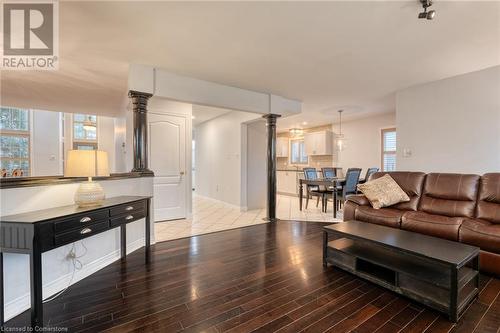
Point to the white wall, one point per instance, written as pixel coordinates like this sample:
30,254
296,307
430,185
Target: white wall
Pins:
120,145
106,139
46,144
363,145
103,248
254,186
451,125
219,157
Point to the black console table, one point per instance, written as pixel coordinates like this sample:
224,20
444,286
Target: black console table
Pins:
39,231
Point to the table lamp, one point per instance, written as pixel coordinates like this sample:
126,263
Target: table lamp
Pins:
87,163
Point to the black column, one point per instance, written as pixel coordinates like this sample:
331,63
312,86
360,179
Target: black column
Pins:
139,107
271,165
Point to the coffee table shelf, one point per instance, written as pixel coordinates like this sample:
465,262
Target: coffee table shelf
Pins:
445,283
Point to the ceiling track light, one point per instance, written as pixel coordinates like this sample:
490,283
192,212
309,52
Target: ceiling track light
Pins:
427,14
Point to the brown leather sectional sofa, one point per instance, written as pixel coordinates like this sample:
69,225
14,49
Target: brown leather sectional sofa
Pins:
458,207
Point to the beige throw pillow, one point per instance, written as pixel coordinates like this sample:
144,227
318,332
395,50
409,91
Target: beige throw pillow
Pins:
383,192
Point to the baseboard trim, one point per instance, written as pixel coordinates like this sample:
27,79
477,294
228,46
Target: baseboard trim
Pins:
220,201
22,303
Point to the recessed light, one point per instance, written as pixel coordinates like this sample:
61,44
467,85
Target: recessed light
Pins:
193,117
304,123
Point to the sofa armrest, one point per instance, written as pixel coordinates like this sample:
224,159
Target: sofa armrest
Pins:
358,199
351,204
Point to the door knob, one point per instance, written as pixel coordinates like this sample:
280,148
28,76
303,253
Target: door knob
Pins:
182,173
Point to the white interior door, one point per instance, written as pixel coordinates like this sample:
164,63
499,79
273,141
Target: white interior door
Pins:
167,159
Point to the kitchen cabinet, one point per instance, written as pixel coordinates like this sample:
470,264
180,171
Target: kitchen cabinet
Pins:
287,182
318,143
282,147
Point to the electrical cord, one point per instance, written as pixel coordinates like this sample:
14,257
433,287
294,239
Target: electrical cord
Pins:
77,265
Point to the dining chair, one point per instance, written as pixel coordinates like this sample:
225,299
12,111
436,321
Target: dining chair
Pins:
349,186
369,172
329,172
312,190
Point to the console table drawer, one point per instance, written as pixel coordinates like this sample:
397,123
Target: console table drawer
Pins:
80,220
137,215
74,235
130,208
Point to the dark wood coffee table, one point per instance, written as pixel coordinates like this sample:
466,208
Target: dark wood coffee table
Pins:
441,274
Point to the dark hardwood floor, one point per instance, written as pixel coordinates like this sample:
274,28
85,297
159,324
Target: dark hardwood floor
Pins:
264,278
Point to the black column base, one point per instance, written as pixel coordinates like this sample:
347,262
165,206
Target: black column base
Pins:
267,219
143,172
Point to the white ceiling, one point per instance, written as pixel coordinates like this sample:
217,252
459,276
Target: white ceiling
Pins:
352,55
203,113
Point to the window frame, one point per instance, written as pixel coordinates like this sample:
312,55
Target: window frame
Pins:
84,142
382,145
302,148
20,133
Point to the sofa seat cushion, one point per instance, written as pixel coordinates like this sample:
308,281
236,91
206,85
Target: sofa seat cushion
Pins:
384,216
432,225
481,233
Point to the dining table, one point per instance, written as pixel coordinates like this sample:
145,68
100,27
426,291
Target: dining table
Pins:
327,182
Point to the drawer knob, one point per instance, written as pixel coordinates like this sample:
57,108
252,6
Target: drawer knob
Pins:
85,219
85,231
129,217
129,208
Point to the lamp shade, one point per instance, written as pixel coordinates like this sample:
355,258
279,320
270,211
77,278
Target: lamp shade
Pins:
86,163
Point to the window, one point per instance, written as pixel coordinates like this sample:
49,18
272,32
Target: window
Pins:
298,155
389,149
84,132
15,141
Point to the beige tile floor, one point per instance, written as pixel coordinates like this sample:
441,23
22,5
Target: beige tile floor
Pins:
212,215
287,208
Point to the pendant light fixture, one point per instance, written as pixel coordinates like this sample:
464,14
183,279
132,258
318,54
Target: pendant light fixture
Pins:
296,132
339,138
89,125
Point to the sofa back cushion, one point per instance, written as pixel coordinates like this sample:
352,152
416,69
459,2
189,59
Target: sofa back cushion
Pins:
450,194
410,182
488,206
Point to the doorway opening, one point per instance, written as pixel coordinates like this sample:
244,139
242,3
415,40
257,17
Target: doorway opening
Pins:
227,174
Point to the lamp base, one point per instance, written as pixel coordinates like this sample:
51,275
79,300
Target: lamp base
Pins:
89,194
